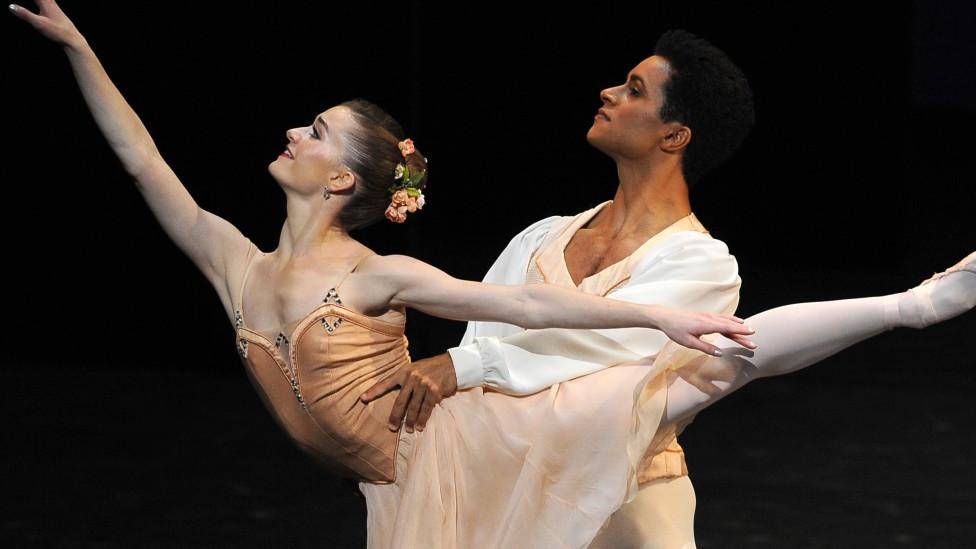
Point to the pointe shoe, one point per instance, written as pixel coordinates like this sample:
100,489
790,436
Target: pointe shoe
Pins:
952,301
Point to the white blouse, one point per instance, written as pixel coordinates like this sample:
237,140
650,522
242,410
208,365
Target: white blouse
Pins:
681,266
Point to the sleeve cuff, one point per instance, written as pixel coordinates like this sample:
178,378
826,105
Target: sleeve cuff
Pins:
467,366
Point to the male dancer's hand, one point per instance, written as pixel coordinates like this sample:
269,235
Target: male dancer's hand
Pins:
422,385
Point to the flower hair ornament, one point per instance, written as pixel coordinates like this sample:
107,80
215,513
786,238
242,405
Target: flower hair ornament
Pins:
407,195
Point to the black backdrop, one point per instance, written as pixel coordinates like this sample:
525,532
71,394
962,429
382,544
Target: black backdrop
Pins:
856,181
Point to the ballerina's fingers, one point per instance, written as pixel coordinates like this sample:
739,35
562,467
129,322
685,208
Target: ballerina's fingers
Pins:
743,340
728,317
50,22
735,330
733,322
725,325
693,342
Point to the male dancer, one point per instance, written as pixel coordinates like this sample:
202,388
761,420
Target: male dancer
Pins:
682,111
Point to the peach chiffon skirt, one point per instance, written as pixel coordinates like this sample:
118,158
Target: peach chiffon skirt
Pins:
546,470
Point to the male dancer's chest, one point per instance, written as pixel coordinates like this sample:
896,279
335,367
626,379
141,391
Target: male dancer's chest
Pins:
589,252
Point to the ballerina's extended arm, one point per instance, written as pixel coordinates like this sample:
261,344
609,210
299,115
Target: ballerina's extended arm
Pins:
204,237
405,281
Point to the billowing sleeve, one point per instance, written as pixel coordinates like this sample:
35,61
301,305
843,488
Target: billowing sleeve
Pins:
688,270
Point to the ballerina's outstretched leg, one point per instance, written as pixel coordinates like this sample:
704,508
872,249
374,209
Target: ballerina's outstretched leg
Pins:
795,336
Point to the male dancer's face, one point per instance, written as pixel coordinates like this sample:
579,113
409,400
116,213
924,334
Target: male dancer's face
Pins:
632,128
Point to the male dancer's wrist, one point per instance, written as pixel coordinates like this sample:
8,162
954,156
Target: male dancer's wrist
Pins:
467,366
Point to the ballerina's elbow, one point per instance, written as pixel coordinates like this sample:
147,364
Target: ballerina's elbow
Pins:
531,310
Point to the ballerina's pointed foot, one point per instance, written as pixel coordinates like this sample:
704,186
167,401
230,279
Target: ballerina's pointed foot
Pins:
943,295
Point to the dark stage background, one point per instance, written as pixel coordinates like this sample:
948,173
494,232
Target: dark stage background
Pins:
133,424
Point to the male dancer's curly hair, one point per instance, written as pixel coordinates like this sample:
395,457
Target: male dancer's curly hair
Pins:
708,93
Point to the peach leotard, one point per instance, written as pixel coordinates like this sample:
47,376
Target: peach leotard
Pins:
312,387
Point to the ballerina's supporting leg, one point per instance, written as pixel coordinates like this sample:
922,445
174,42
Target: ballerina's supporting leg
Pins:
795,336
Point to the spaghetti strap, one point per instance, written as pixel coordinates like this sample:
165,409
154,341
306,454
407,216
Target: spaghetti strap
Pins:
247,269
335,289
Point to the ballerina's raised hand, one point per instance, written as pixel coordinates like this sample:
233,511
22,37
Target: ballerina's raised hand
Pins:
51,22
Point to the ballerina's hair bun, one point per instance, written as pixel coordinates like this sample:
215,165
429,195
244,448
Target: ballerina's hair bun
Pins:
391,172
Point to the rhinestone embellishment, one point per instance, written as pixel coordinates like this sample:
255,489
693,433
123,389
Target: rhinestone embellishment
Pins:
242,347
238,318
298,393
332,295
281,338
331,327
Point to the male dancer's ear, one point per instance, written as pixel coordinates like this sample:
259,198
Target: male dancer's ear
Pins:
678,139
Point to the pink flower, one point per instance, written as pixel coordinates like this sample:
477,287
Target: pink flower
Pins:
394,215
412,204
406,147
400,197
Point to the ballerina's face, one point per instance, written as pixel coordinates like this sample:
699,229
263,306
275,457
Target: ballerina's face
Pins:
632,127
313,154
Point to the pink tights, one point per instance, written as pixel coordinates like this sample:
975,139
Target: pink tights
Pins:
795,336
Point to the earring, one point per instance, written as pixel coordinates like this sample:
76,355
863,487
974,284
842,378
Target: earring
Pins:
326,193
